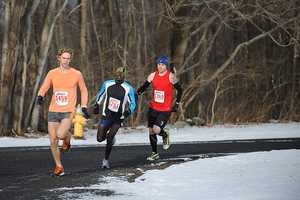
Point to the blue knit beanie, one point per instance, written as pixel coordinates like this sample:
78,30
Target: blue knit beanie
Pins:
163,59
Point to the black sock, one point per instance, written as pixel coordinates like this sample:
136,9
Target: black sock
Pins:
153,142
108,148
109,139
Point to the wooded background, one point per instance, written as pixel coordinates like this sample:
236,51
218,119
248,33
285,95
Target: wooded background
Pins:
238,60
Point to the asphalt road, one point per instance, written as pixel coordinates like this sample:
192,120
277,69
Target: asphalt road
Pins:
24,172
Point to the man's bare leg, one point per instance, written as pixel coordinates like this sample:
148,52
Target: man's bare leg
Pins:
64,133
52,129
58,131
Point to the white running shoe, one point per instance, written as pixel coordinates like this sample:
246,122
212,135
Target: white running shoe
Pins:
105,164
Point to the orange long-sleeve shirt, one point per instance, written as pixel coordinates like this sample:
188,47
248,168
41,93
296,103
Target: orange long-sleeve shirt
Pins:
64,84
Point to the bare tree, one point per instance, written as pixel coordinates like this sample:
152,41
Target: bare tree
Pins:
14,11
253,43
26,59
46,38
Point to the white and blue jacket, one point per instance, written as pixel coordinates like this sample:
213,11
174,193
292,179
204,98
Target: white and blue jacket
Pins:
115,96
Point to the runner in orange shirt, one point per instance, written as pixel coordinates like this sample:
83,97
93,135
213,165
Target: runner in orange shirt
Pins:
64,81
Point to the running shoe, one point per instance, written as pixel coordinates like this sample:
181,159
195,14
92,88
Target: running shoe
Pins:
153,156
166,140
105,164
59,171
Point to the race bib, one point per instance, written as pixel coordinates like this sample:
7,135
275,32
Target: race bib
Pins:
159,96
114,104
61,98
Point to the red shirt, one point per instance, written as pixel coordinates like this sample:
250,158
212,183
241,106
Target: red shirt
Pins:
162,92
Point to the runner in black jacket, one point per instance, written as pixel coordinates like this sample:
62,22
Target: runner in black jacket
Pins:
114,94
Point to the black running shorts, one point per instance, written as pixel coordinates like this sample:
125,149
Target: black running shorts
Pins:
158,118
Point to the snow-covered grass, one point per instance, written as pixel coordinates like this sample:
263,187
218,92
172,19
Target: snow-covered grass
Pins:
186,134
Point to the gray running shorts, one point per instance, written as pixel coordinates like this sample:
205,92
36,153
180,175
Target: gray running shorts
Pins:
57,116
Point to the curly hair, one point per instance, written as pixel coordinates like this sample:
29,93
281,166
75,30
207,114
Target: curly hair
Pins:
64,50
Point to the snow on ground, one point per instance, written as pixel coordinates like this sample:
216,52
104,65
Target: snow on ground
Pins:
270,175
186,134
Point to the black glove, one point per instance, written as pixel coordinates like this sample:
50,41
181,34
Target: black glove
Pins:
175,107
96,109
126,113
40,100
85,112
139,92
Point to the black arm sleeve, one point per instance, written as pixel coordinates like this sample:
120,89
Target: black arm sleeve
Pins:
143,87
177,86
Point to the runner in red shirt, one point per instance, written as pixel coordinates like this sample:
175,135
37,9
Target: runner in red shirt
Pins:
163,81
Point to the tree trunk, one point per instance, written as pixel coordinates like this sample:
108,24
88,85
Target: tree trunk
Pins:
25,64
294,70
5,70
14,11
83,33
99,48
140,77
46,39
179,44
216,94
84,60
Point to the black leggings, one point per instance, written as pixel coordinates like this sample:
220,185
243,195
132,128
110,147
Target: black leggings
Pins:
108,133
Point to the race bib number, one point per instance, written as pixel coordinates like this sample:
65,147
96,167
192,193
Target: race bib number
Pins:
114,104
159,96
61,98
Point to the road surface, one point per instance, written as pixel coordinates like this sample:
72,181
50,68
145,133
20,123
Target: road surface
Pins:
24,172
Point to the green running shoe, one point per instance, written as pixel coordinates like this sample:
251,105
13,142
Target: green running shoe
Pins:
166,140
153,156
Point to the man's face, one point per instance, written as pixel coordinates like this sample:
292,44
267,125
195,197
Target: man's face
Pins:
161,67
64,59
120,76
120,73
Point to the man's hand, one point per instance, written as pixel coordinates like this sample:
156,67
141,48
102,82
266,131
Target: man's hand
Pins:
126,113
40,100
175,107
139,91
96,109
85,112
